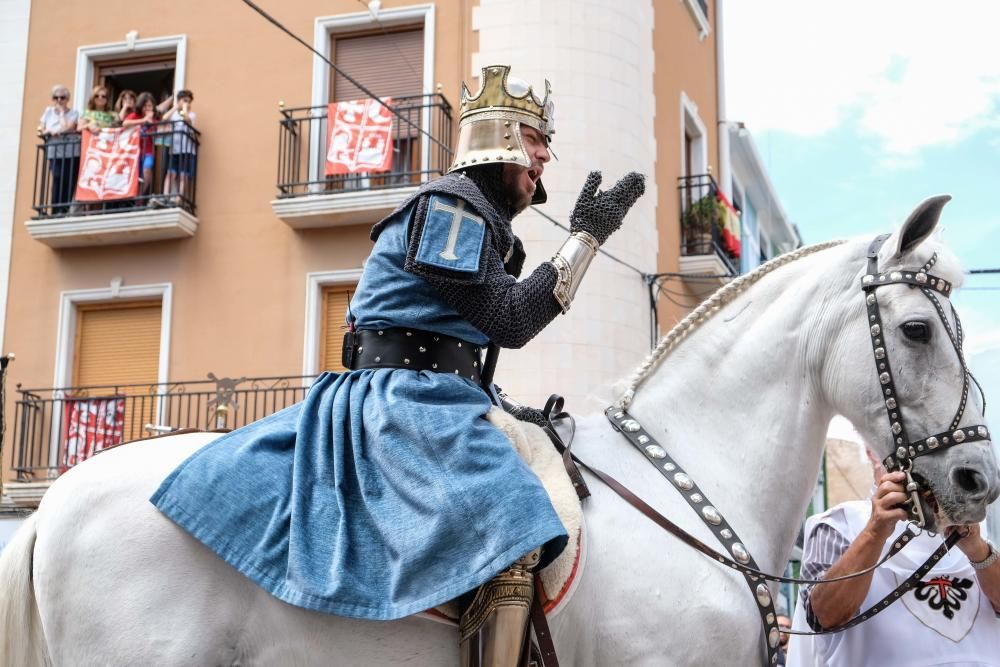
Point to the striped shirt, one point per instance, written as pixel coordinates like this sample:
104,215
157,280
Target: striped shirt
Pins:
824,547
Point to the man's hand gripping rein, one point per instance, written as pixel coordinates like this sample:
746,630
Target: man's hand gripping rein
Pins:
596,216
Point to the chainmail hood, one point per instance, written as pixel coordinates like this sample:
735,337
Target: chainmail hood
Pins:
489,179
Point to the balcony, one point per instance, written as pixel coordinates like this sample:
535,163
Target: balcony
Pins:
165,211
56,428
307,198
710,230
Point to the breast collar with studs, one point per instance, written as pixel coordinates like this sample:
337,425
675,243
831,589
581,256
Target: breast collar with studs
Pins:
906,450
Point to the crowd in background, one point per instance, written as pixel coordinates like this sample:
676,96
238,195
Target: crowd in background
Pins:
167,124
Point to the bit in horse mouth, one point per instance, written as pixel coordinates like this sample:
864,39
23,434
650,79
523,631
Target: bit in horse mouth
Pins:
931,501
932,508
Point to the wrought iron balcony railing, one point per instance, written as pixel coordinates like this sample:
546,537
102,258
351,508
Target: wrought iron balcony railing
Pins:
709,224
58,168
56,428
302,149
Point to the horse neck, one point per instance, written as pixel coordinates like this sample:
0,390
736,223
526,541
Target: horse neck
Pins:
739,403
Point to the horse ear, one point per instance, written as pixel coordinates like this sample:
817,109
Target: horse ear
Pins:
920,224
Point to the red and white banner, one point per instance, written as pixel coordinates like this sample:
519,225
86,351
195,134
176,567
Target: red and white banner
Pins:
91,424
109,164
359,138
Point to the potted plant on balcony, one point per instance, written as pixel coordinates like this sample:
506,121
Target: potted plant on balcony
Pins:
697,222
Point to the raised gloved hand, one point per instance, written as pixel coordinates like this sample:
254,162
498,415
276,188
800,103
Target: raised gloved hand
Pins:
601,213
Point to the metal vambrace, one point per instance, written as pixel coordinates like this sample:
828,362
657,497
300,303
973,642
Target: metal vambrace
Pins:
571,262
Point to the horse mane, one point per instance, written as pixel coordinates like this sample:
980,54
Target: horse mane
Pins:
708,308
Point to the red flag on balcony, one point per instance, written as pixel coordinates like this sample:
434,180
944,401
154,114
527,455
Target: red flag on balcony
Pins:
109,164
90,425
359,137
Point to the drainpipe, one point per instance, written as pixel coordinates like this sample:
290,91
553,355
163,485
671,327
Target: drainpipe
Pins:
725,164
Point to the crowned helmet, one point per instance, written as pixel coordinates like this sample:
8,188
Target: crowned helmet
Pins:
489,127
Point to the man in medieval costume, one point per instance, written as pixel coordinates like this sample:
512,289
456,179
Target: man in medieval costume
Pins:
386,492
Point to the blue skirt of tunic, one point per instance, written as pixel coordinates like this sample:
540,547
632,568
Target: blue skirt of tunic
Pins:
384,493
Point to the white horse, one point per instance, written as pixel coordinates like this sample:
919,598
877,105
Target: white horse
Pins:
98,577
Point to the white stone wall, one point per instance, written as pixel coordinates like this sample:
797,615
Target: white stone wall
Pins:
13,52
598,55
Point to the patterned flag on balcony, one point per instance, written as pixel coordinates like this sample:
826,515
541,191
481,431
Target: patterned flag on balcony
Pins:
109,164
90,425
359,138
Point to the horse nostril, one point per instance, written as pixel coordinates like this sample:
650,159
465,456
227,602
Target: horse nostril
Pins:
971,481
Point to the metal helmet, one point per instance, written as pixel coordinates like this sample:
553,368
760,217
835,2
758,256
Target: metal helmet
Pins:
489,127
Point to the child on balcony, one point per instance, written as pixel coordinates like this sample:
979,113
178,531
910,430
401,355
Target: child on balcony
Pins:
145,114
183,153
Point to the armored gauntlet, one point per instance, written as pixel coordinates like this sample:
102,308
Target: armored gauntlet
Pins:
600,214
596,216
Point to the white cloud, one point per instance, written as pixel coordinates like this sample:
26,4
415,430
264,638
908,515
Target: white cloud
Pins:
912,73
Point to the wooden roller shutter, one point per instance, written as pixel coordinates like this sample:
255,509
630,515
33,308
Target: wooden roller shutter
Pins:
389,64
335,302
119,344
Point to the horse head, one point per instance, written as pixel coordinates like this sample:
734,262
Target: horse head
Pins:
921,410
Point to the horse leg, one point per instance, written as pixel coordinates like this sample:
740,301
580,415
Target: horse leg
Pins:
22,643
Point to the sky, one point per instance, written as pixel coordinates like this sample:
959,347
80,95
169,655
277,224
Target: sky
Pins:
860,109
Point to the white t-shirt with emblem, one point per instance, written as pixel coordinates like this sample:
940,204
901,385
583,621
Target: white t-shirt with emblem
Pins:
944,620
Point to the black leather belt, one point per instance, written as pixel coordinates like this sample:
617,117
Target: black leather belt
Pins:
411,348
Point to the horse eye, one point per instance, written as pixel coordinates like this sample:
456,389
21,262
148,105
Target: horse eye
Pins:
917,331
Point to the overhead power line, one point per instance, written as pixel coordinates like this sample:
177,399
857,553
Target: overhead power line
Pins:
278,24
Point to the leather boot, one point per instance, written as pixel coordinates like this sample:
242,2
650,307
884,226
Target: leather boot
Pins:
494,626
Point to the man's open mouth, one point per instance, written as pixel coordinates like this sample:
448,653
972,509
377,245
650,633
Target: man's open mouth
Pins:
534,173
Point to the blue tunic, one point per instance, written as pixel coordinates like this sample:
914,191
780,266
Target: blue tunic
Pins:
385,492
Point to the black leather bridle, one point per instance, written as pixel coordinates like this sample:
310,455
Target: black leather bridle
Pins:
906,450
738,557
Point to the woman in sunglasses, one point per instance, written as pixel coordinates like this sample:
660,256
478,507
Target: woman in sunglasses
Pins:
58,127
98,114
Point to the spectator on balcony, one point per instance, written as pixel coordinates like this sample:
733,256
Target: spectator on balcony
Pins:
124,105
145,115
181,164
58,127
98,114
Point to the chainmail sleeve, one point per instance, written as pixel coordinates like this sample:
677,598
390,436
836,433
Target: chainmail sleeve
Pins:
510,312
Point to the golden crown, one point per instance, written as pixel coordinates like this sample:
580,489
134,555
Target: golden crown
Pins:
495,95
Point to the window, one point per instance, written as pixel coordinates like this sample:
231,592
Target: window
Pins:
153,64
699,12
694,158
334,323
688,151
153,74
753,251
389,64
119,344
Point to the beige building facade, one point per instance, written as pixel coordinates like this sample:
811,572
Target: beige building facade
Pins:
119,312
